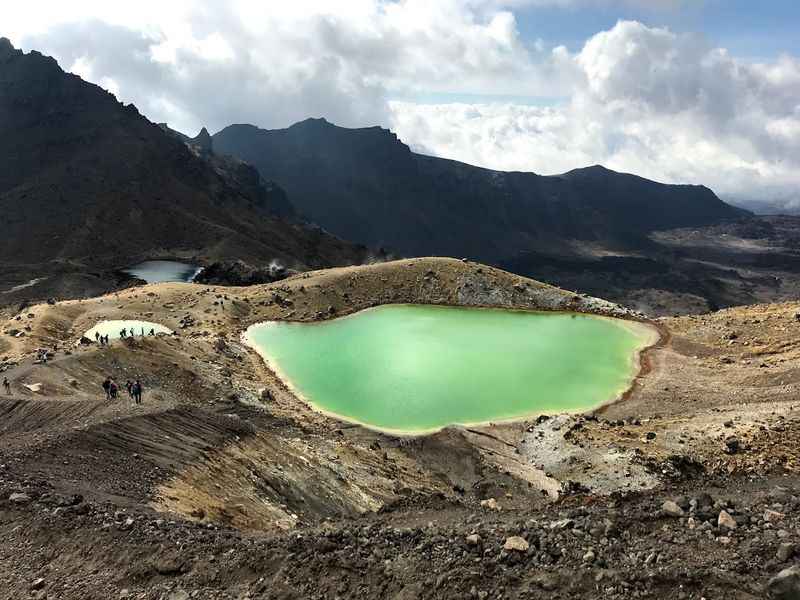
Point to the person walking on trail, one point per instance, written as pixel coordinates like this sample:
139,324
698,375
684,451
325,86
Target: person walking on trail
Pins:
107,387
97,337
137,392
129,387
113,389
7,386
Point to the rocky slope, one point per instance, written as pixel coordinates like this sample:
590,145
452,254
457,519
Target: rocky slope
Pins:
223,485
366,185
87,183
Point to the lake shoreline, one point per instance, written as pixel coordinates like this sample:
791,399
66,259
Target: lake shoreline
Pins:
648,335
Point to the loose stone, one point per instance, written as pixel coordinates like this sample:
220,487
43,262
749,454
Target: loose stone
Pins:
785,551
672,509
516,544
726,521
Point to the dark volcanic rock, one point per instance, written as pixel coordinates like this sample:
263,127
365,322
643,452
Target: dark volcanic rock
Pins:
785,585
238,272
88,180
366,185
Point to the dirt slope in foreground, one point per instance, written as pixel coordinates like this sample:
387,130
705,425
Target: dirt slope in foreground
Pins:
218,488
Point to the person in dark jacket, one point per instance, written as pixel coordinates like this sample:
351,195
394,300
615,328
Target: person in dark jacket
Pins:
137,392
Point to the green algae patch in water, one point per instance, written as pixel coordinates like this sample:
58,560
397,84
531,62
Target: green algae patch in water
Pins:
415,368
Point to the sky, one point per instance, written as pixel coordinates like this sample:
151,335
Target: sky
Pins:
681,91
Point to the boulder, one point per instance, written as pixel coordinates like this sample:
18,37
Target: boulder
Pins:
19,498
473,540
672,509
516,544
773,516
785,585
490,504
732,445
726,521
785,552
240,273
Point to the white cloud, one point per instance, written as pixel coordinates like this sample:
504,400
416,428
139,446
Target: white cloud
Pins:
635,98
646,101
273,63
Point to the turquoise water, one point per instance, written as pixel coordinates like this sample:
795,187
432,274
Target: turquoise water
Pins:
160,271
418,368
113,328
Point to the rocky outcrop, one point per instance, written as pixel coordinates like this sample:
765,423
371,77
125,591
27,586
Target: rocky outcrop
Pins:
238,174
238,272
202,142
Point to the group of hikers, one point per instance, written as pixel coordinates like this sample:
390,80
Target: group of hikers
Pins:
124,333
134,389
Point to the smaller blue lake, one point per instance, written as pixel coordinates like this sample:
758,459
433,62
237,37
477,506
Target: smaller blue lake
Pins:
160,271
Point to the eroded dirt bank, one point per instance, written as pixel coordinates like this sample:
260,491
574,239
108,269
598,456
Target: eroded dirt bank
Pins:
222,484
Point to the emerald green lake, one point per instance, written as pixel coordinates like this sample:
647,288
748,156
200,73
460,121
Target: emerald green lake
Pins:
414,368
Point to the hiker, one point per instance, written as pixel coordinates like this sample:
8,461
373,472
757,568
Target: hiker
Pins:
137,392
97,337
152,331
129,387
142,331
113,390
107,387
7,386
124,332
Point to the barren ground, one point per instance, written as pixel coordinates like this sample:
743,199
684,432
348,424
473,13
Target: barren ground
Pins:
223,485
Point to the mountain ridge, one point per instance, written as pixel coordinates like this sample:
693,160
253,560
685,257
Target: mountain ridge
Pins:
90,183
365,184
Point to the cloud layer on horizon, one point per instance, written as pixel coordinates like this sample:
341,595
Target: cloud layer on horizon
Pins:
646,101
636,98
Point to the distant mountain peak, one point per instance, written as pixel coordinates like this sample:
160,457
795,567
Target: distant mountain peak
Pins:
7,49
203,141
313,123
591,170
